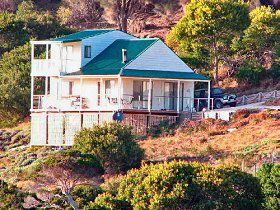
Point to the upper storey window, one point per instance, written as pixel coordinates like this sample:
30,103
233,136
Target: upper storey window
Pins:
87,51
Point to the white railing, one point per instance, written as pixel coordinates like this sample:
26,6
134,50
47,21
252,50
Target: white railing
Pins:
53,67
186,104
44,67
259,97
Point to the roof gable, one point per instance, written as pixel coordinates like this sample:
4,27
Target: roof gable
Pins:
79,36
161,58
109,61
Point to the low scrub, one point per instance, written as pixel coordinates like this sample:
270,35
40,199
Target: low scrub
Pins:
113,144
269,176
163,129
181,185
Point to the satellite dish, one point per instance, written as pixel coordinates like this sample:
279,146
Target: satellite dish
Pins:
118,116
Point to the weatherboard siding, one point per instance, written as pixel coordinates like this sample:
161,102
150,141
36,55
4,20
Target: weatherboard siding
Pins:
159,57
101,42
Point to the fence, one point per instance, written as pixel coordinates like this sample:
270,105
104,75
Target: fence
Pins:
259,97
59,129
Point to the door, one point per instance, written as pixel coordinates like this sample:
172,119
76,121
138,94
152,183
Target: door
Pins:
170,95
141,94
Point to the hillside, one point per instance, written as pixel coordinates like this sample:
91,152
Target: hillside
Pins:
249,139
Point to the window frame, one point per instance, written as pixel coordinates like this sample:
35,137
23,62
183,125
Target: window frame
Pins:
87,53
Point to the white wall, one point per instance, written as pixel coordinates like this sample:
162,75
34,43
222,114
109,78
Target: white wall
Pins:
101,42
159,57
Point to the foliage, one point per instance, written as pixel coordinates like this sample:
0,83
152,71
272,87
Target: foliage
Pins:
10,196
67,169
263,33
14,80
80,13
26,24
209,25
164,128
82,195
250,72
186,185
269,176
113,144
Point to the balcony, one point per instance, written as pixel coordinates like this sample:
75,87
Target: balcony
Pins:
53,67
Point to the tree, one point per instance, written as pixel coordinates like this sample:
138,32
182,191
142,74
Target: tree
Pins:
113,144
68,169
263,34
15,80
211,25
123,10
84,13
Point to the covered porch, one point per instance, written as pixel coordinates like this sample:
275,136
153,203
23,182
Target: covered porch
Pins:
116,93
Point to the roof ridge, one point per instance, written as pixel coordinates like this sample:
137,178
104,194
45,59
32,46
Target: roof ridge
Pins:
136,57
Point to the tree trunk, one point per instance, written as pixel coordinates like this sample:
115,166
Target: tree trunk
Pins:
216,68
124,24
71,201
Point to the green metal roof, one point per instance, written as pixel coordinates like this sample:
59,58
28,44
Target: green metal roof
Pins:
79,36
109,61
162,74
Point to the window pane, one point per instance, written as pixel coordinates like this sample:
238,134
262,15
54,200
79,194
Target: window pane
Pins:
87,51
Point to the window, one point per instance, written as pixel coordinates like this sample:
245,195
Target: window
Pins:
87,51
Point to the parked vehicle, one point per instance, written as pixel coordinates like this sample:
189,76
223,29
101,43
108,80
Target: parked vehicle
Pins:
220,99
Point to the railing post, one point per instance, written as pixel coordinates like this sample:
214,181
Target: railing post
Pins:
150,95
81,89
260,97
32,93
209,95
178,96
119,92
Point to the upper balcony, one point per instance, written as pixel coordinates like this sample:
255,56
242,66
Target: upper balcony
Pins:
53,58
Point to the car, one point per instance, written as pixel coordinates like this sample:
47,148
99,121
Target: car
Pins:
220,99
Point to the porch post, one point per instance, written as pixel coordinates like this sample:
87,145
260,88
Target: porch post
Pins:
32,51
46,92
150,95
178,96
208,99
81,89
47,52
32,93
119,92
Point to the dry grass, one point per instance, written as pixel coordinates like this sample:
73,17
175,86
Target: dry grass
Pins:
255,139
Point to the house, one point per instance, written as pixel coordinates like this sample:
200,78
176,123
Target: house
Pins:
91,75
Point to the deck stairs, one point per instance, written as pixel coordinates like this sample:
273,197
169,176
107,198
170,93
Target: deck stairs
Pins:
196,115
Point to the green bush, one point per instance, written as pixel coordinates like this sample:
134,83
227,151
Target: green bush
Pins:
181,185
10,197
113,144
164,128
269,176
250,72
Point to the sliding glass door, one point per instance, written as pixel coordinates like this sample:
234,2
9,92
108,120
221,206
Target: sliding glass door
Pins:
170,96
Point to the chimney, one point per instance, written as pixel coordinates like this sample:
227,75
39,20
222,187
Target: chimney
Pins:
124,56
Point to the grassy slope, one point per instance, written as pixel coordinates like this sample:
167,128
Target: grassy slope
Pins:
254,139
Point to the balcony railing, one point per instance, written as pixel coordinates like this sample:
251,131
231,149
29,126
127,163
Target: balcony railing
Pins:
53,67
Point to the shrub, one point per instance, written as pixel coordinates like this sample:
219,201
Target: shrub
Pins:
10,196
181,185
164,128
269,176
250,72
113,144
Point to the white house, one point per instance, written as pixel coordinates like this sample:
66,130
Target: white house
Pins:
90,75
